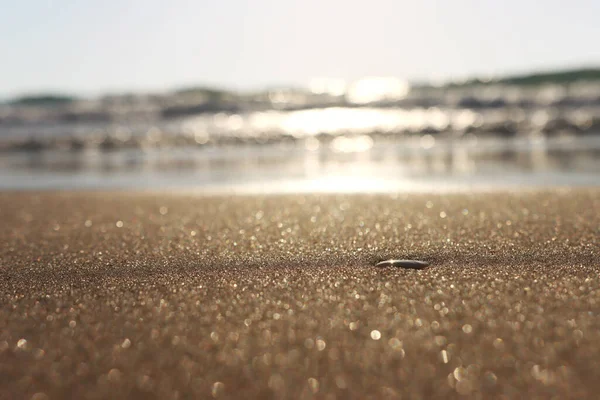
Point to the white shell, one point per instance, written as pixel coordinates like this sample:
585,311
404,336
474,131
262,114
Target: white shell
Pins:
414,264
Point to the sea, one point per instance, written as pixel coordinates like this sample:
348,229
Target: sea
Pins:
379,135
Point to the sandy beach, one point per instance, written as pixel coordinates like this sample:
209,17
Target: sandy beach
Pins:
179,296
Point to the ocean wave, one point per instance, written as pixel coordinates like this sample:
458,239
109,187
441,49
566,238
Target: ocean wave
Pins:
276,126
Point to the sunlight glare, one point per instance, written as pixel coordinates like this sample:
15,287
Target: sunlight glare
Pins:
373,89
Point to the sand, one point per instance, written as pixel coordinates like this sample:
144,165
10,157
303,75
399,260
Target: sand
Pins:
176,296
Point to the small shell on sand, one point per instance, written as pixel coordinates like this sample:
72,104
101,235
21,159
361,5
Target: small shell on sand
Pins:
413,264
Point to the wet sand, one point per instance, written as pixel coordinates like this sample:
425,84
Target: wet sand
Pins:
145,295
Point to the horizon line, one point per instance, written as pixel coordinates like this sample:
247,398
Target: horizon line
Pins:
432,82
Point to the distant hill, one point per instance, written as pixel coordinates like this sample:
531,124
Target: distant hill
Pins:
533,79
44,99
589,74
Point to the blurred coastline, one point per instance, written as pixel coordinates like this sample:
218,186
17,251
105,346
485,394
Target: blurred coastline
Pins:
539,129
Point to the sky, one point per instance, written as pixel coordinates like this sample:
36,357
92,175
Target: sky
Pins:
93,47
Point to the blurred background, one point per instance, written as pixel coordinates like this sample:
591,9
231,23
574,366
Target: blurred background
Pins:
282,96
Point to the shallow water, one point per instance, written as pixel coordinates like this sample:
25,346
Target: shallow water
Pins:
468,139
383,166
